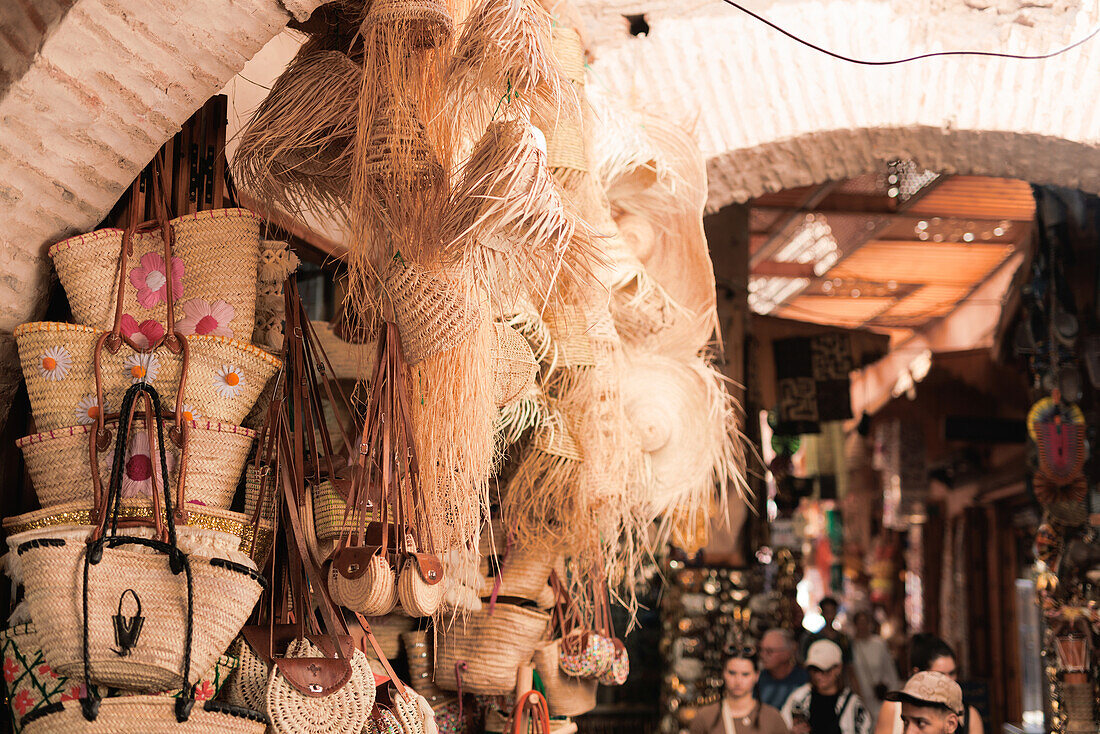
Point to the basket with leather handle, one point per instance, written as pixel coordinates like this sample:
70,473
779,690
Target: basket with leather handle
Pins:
60,361
619,670
584,652
143,619
483,655
530,716
142,714
212,268
410,709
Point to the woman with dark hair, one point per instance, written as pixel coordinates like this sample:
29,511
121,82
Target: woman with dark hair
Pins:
928,652
737,712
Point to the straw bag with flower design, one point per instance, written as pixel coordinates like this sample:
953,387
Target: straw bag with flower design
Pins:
224,376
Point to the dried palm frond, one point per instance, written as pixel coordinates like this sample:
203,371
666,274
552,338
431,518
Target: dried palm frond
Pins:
297,151
507,214
521,415
503,57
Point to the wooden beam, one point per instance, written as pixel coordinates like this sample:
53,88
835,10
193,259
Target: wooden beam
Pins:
776,269
326,248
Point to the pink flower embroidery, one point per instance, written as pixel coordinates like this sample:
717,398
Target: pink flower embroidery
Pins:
11,669
151,280
74,693
23,701
142,465
200,317
145,334
204,691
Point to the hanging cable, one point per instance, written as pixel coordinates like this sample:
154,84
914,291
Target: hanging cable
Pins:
996,54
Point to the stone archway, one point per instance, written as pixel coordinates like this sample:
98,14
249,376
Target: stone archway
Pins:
771,114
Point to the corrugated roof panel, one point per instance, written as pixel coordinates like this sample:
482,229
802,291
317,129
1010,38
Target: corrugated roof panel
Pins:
834,309
922,262
978,197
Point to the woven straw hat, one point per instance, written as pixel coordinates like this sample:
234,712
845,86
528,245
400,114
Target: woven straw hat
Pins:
423,24
514,365
673,412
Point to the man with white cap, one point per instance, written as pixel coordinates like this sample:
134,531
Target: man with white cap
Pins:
825,705
931,703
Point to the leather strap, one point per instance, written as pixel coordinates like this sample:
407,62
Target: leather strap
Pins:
401,688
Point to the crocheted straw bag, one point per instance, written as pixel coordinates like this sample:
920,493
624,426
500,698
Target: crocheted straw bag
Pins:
193,605
223,376
214,258
565,695
145,714
431,308
399,156
58,464
420,24
489,648
33,686
514,365
345,709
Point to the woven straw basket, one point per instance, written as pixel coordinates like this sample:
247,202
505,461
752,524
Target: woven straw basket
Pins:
492,644
32,685
206,531
373,594
224,376
566,696
57,462
418,597
53,575
219,251
389,631
514,365
328,514
418,651
431,308
146,714
524,574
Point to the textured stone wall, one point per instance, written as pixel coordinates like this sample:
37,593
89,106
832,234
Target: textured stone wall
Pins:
771,114
89,90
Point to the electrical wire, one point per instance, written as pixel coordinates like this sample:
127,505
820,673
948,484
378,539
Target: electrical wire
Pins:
996,54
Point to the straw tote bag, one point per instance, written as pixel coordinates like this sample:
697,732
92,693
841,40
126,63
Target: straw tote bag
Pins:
143,715
132,612
483,654
60,471
214,260
565,695
33,689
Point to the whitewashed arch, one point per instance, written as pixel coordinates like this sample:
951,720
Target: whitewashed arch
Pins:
772,114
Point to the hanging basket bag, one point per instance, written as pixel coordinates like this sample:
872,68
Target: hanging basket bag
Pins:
215,256
315,710
619,671
420,587
488,649
566,695
204,531
145,714
133,612
224,377
57,462
34,689
365,582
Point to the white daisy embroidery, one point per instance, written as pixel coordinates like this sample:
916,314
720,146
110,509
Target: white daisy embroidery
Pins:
142,367
55,363
187,413
229,381
87,410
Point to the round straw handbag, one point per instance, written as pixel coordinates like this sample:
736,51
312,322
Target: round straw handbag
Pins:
371,592
214,253
420,587
566,696
145,714
619,671
224,376
345,709
57,462
90,600
586,654
488,648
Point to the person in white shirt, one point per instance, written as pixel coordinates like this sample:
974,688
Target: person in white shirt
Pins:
825,705
875,671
